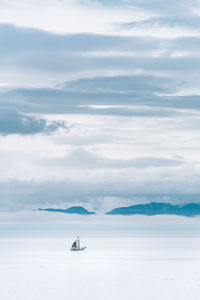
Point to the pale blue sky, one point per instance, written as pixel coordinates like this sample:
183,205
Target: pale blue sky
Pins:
99,103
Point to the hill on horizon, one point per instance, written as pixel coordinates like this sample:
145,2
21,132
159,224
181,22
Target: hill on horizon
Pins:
158,208
71,210
148,209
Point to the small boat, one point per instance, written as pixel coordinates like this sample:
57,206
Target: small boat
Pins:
76,246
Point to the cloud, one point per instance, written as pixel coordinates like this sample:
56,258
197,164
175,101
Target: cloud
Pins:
138,95
83,159
97,193
130,98
13,122
34,58
125,84
168,7
68,15
170,26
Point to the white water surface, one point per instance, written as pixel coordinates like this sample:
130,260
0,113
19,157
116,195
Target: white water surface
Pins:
41,267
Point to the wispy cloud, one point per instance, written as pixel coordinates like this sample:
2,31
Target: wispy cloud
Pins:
167,27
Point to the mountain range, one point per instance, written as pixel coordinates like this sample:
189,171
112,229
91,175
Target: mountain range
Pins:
158,208
72,210
148,209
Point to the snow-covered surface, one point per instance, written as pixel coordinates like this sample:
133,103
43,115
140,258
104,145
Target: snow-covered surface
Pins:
41,267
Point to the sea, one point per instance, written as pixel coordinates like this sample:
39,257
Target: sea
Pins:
117,265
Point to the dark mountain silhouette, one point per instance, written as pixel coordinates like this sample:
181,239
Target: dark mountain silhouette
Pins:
148,209
72,210
158,208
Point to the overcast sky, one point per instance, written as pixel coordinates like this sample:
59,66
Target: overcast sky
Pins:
99,102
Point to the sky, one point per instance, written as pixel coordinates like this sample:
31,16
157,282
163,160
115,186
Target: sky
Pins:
99,103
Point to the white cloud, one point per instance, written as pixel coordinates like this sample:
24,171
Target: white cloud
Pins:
167,27
69,16
122,106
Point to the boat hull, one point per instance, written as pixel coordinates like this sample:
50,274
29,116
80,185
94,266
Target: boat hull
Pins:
80,249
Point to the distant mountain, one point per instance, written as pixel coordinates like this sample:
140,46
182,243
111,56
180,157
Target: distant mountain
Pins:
149,209
156,208
72,210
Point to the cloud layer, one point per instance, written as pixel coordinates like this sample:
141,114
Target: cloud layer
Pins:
101,106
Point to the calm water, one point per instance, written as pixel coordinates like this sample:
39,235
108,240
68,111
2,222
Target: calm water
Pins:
137,267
